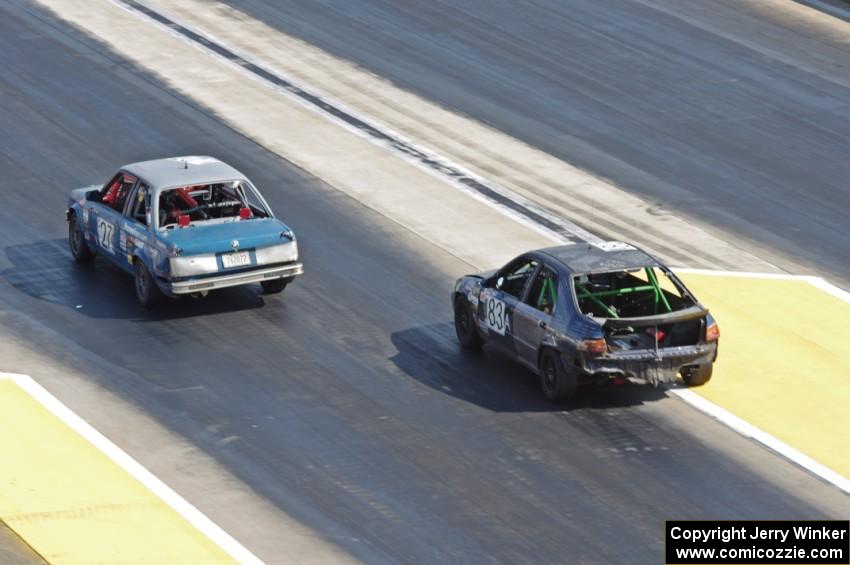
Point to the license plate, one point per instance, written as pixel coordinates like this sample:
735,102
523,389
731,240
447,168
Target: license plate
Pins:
236,259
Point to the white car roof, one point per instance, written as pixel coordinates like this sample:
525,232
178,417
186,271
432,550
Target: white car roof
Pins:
182,171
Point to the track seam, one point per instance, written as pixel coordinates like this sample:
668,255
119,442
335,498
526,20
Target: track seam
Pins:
503,199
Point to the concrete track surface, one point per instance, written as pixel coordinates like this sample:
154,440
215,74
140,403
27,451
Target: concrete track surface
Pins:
733,113
345,403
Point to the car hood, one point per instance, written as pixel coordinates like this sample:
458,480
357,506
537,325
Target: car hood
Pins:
218,238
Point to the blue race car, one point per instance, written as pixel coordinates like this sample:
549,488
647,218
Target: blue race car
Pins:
589,314
183,225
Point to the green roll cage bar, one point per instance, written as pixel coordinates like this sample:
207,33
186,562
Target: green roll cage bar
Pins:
550,288
653,286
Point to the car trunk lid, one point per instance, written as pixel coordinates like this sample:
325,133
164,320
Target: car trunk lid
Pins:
673,329
226,237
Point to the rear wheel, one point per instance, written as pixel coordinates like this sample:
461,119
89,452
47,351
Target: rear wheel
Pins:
557,382
467,333
79,249
697,375
146,290
273,286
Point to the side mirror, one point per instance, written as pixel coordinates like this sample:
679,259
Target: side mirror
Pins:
93,195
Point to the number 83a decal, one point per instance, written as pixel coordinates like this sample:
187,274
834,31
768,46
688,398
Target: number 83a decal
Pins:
495,315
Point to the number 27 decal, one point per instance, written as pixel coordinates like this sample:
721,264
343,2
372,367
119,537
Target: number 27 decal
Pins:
496,315
104,233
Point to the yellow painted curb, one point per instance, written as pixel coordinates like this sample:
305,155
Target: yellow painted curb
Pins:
73,504
784,361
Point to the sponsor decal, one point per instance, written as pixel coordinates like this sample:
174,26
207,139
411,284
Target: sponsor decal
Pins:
85,216
122,241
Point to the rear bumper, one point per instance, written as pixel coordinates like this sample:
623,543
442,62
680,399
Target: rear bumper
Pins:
646,367
236,279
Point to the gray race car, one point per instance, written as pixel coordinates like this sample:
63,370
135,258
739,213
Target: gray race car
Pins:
585,314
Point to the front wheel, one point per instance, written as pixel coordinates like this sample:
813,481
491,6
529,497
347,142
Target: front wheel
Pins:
697,375
467,333
146,290
273,286
79,249
557,382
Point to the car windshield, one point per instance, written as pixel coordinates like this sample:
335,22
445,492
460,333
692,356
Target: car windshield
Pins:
204,203
632,293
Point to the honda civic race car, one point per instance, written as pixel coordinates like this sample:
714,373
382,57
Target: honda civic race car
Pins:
586,313
183,225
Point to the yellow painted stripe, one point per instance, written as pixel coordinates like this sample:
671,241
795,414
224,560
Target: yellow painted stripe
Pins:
73,504
784,363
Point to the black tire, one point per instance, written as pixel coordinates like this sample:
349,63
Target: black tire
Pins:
76,242
467,332
697,375
558,384
146,290
273,286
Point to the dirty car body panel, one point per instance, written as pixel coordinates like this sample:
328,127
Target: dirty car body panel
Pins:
195,223
603,308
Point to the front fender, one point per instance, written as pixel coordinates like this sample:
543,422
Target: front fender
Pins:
468,286
73,209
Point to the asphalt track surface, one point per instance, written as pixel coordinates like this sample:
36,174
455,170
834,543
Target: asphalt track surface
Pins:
688,104
345,401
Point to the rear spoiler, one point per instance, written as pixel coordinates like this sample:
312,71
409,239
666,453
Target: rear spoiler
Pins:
691,313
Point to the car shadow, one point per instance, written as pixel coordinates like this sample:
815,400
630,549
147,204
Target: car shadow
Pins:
490,379
46,271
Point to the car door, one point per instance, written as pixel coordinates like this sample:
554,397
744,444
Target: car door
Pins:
133,235
106,215
533,315
497,302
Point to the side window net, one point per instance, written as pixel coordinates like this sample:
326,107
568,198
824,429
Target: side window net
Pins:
117,190
514,279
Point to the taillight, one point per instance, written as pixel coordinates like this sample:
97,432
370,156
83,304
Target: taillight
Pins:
595,346
712,332
656,333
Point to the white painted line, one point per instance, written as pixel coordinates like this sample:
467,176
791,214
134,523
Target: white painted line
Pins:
828,287
442,162
748,430
817,282
194,516
742,274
